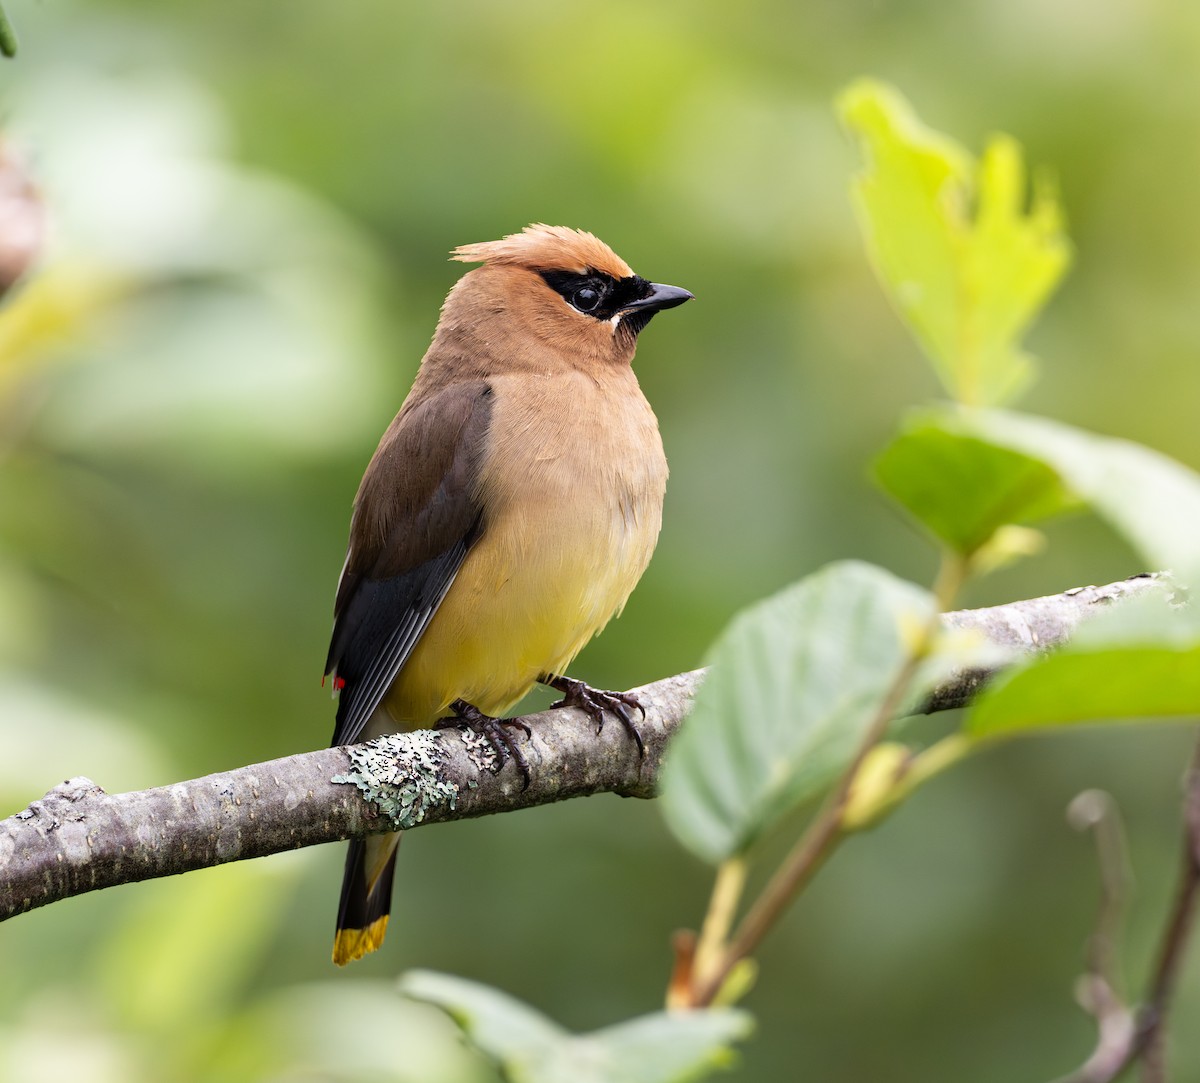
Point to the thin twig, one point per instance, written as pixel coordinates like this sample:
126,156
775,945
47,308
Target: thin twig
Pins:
1096,810
1099,989
1128,1036
1153,1016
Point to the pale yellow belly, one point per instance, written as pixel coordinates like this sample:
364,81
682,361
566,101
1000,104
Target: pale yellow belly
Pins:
520,607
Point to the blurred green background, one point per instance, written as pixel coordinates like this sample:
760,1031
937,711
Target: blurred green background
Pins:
251,206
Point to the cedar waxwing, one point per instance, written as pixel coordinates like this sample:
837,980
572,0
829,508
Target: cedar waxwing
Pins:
509,510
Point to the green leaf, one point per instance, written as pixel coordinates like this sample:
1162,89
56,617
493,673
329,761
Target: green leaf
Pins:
1151,500
795,681
1092,686
665,1047
1138,660
963,488
671,1047
964,263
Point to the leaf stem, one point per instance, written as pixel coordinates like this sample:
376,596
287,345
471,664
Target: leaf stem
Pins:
951,575
722,909
932,761
816,844
825,831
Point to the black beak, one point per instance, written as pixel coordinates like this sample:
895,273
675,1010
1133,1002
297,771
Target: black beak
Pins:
658,298
636,314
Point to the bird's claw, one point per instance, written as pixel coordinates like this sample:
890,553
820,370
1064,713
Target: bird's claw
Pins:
493,730
594,702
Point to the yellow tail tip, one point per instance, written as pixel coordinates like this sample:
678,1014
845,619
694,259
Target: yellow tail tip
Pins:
351,944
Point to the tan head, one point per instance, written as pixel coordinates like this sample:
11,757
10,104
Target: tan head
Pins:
548,292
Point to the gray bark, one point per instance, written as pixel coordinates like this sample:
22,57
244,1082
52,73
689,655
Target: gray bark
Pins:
78,838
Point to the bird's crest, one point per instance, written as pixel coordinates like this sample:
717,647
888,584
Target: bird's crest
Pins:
547,248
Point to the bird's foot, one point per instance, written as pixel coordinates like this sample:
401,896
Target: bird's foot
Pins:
594,702
495,731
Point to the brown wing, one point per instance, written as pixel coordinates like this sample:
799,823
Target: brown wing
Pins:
415,518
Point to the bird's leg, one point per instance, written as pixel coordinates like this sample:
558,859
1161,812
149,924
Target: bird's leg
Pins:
494,730
595,702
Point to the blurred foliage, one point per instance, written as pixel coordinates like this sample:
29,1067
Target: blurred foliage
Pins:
964,263
251,207
804,688
664,1047
8,37
1152,500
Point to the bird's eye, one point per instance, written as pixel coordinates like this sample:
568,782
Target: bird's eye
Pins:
586,298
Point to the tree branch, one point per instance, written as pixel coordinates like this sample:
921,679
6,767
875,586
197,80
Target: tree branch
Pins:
78,838
1032,626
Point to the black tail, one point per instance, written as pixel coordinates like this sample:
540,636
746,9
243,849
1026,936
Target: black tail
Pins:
366,897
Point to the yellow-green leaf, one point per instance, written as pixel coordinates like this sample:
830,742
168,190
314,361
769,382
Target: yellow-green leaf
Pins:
967,266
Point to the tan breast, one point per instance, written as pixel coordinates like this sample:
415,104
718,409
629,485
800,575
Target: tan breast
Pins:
572,486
